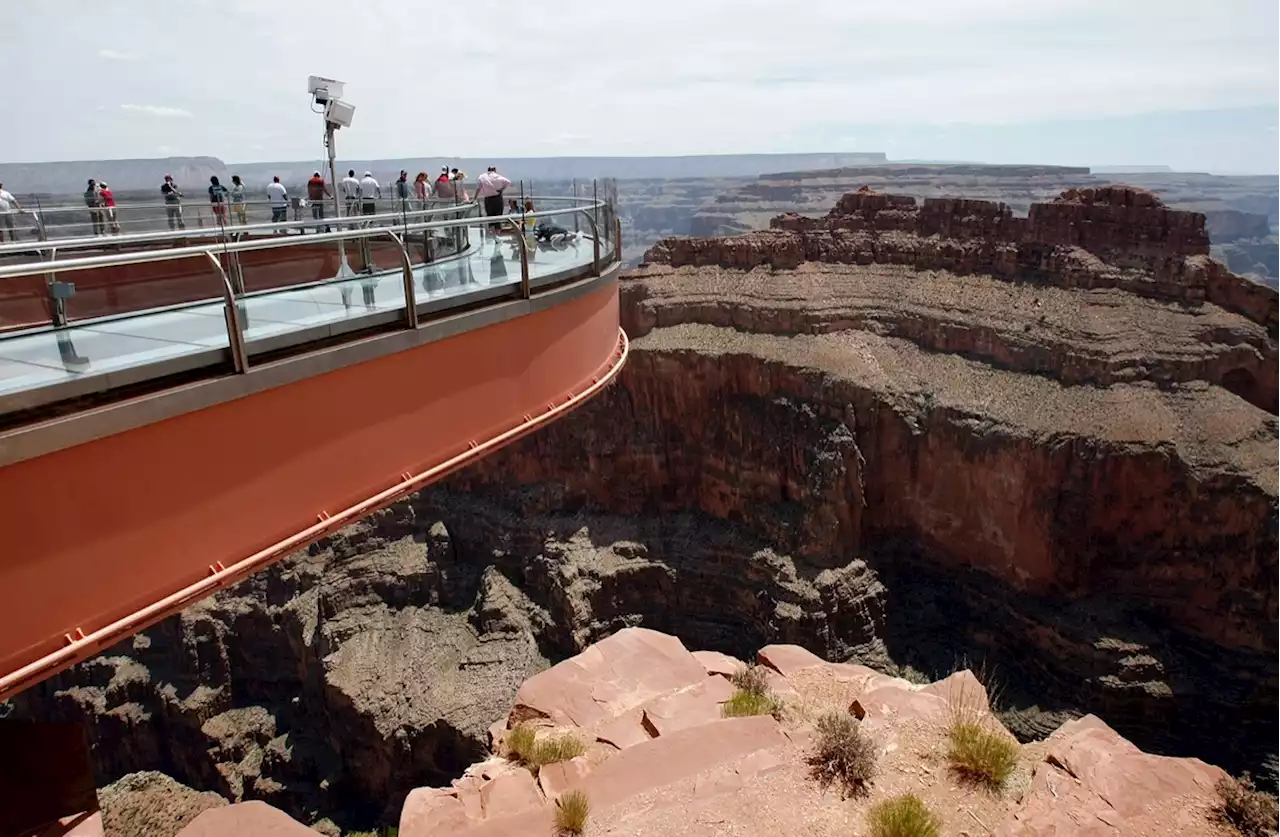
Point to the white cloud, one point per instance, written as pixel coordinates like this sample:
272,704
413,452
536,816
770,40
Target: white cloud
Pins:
597,78
116,55
159,110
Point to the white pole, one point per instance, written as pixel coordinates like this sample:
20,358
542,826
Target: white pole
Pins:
344,267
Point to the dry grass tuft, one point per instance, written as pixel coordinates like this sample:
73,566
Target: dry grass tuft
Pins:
572,811
752,696
980,749
520,741
751,678
982,753
523,747
903,816
843,754
1251,812
743,704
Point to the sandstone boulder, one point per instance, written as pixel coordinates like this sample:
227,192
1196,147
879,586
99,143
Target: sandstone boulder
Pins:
1094,782
246,819
614,675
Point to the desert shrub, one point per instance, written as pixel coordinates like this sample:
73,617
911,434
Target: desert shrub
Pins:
752,695
903,816
572,810
982,753
744,703
558,748
843,754
1249,811
520,741
524,747
751,678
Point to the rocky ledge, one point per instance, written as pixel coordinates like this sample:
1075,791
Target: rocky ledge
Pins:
658,757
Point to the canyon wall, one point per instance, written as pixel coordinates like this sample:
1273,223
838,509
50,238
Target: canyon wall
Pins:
903,435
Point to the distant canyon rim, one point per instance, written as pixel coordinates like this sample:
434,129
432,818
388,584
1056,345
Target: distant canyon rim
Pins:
900,433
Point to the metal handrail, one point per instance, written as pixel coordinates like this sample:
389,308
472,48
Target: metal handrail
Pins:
233,293
160,236
114,259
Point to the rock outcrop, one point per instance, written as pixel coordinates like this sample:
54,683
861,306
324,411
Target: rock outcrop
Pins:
910,433
899,436
682,768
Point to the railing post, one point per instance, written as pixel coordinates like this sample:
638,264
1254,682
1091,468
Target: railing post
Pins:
410,296
231,313
617,239
525,290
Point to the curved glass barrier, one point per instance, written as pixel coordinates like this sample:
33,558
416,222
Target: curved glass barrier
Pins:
82,321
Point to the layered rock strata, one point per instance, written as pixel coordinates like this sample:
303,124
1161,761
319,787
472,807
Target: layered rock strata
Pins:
1048,442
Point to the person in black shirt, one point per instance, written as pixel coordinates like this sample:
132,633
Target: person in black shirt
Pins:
172,203
218,201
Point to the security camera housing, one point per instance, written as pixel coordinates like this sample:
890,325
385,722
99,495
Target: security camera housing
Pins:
339,113
323,89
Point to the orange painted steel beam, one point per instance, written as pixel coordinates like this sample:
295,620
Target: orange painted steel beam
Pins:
106,538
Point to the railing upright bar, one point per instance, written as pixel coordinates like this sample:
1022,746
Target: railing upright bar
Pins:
525,289
410,296
231,314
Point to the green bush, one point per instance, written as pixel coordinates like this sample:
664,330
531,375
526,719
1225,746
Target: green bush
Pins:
745,703
983,754
903,816
1249,811
572,810
843,754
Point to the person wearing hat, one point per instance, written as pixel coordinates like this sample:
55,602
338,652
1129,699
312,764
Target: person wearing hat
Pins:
370,191
351,193
317,191
444,186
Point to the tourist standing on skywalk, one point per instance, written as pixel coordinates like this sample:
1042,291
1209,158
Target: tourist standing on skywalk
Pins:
218,201
445,190
239,211
351,193
279,198
172,203
370,191
317,191
94,202
9,210
489,189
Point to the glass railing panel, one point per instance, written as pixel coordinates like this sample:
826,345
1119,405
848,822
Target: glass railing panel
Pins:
173,305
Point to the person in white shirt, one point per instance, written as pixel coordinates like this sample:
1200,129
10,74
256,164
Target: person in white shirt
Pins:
370,191
279,197
350,193
489,189
9,210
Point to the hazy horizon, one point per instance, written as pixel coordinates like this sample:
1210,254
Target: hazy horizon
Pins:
1058,82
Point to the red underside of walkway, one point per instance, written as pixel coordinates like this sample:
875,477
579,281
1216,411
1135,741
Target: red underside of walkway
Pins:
107,537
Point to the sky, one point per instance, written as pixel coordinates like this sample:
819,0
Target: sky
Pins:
1184,83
